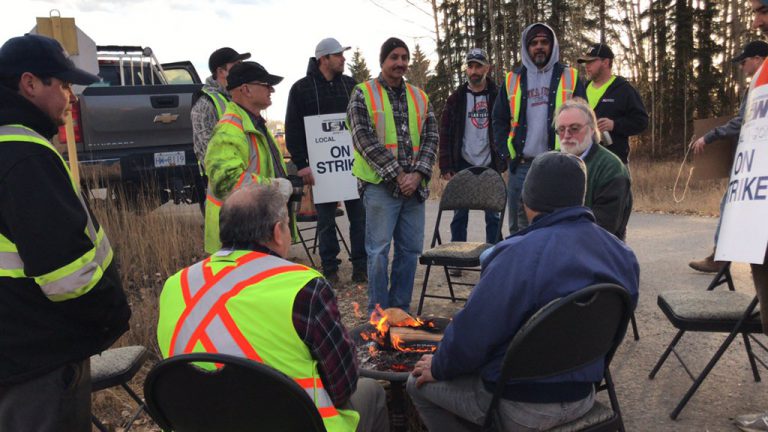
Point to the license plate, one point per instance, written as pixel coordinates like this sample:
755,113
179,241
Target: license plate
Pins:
169,159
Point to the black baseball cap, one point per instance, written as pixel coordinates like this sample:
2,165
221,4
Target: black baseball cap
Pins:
225,55
752,49
246,72
596,51
42,56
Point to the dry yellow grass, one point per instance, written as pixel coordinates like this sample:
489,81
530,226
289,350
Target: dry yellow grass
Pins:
149,247
653,183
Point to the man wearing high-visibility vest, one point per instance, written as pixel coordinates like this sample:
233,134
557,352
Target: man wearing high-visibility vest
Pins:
523,112
248,301
210,104
60,295
394,133
242,150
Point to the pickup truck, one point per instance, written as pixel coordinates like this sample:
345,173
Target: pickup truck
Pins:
133,130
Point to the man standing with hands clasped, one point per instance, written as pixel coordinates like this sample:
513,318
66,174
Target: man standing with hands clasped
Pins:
394,133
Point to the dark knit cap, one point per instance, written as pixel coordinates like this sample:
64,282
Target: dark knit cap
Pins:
539,30
555,180
389,45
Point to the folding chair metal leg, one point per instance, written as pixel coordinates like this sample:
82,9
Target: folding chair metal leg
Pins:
306,249
712,362
314,240
614,400
634,326
423,289
450,284
723,276
99,425
344,242
751,357
666,354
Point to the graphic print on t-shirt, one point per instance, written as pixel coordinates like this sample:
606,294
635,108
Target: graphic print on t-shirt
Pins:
479,114
538,96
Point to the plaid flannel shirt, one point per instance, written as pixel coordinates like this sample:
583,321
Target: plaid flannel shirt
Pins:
380,158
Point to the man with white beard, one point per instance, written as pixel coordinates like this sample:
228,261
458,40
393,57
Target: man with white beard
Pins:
608,183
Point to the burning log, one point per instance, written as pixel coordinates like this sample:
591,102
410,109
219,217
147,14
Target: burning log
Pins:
414,339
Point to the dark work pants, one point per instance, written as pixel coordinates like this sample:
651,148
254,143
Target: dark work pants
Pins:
329,243
57,401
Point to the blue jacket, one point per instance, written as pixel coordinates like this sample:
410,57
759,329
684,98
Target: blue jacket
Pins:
560,253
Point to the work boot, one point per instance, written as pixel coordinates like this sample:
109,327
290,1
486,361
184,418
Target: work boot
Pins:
332,276
360,275
752,422
707,265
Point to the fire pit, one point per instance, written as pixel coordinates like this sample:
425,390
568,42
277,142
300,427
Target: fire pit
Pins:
388,347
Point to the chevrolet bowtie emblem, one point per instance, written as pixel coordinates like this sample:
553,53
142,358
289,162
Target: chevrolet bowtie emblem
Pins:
166,118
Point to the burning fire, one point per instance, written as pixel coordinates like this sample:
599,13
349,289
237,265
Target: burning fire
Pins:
382,320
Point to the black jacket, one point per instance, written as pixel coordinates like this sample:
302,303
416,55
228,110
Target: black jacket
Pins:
622,104
312,95
502,114
42,216
453,122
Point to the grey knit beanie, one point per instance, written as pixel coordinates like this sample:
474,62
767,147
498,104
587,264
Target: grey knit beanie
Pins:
555,180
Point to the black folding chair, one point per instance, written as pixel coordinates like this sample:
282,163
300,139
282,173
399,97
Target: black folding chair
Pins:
311,219
565,335
475,188
730,312
239,395
116,367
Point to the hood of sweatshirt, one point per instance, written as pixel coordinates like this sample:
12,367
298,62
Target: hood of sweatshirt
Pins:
554,57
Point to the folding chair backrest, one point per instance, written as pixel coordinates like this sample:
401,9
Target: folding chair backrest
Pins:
569,333
475,188
240,395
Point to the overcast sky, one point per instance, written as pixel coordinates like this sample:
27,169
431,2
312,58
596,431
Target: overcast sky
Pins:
281,35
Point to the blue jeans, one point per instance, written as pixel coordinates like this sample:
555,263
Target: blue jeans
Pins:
329,243
388,219
517,219
461,218
459,226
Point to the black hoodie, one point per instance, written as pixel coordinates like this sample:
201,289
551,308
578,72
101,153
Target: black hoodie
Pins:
622,104
309,96
42,216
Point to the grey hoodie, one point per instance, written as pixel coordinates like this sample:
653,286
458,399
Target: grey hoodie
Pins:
537,134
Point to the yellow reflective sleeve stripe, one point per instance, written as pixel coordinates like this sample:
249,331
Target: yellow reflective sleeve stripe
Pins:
79,276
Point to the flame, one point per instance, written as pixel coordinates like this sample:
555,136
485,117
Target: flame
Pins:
397,343
379,320
356,307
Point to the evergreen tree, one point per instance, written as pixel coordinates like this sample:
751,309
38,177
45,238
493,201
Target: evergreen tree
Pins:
418,70
358,68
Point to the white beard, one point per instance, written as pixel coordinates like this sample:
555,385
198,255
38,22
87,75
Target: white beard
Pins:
579,148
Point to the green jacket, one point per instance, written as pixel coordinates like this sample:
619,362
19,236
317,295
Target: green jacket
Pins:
609,192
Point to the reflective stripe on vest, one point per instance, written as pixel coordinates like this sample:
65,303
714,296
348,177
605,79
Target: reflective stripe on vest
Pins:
219,101
77,277
566,87
206,319
383,119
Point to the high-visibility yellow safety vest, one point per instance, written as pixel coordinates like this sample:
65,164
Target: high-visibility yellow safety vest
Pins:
380,112
219,102
565,89
240,303
81,275
258,168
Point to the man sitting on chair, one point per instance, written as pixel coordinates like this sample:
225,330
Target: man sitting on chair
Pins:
561,252
246,300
